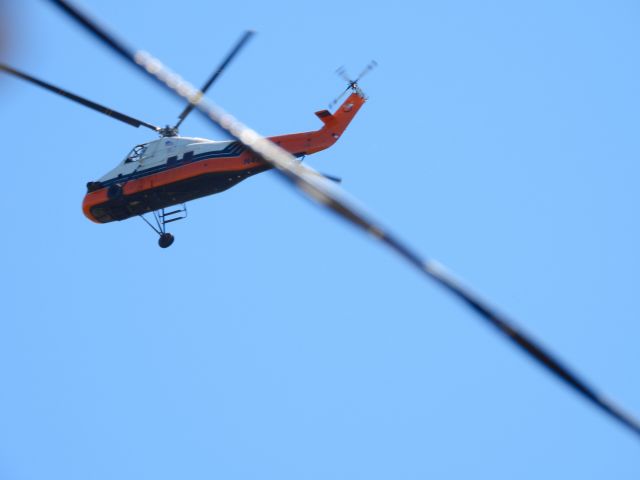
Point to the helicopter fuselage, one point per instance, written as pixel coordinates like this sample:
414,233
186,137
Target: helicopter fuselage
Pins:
173,170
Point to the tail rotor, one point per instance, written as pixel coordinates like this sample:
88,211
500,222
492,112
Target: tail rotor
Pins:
352,84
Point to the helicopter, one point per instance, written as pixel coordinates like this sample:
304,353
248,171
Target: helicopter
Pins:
301,178
172,169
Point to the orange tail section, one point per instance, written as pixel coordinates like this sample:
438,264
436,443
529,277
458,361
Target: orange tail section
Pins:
335,124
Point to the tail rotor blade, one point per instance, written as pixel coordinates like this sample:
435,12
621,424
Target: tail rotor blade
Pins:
343,73
373,64
337,99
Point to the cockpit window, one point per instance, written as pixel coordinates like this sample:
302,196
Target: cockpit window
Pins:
136,154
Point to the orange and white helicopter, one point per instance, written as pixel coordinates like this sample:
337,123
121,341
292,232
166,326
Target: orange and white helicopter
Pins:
173,170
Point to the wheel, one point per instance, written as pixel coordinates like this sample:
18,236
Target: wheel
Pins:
165,240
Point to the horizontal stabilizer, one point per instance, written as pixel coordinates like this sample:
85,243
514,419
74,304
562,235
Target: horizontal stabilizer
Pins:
325,116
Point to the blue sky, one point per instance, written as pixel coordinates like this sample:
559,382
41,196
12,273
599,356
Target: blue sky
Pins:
273,341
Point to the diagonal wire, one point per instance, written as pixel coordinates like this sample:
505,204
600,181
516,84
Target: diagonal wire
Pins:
336,200
236,49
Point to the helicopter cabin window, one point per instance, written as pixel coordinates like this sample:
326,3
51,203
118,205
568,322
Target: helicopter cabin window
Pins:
136,153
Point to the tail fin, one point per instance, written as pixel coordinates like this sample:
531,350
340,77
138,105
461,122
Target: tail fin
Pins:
337,122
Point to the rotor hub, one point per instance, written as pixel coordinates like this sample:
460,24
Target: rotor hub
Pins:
168,131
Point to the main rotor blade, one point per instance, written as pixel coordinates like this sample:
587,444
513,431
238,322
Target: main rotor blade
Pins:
155,71
239,45
333,198
82,101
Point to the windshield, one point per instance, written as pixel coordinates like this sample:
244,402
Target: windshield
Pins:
136,153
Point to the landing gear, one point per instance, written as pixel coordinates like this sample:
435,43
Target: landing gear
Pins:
161,219
165,240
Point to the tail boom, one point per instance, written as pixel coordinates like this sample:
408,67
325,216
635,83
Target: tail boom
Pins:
335,124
